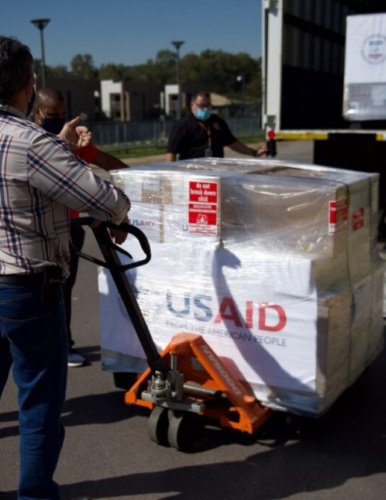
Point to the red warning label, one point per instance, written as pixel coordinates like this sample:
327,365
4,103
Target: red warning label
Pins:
358,219
203,207
338,216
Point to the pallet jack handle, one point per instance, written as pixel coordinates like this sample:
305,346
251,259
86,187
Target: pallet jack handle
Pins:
110,252
102,236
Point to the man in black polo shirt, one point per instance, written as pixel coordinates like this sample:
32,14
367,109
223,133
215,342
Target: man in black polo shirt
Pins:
202,134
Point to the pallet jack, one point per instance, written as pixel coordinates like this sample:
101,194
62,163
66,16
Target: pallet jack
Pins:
186,385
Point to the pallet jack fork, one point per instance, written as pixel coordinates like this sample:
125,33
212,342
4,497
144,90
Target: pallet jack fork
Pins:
186,384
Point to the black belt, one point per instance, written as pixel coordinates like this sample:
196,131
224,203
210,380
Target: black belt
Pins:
36,279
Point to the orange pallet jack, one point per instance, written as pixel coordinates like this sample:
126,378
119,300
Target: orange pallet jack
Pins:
186,384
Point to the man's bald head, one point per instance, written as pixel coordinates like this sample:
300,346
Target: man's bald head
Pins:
50,110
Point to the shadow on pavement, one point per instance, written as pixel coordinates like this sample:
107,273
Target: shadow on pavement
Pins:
295,454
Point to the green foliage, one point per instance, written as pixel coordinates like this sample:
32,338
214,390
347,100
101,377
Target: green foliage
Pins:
218,71
237,76
82,67
136,151
59,72
114,72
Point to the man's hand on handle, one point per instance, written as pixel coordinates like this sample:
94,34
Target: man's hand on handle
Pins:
116,235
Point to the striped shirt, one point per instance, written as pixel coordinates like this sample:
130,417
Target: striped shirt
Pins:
40,180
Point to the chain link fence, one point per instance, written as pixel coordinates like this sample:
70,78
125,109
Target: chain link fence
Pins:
125,134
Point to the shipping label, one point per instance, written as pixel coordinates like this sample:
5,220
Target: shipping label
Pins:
358,219
338,216
203,207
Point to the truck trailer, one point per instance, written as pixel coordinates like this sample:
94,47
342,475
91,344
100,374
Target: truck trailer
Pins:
324,80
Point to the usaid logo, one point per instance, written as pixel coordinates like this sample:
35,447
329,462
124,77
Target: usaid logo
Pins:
374,49
200,307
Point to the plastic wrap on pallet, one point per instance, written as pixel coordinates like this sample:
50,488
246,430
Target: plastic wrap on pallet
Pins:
272,262
365,68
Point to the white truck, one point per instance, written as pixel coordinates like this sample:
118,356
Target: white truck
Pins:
324,79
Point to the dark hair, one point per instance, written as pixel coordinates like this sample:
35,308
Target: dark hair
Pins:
16,65
202,93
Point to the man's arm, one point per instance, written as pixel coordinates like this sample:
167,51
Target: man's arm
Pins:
108,162
68,180
243,149
105,161
171,157
175,140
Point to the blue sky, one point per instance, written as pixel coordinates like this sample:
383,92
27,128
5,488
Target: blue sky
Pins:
131,32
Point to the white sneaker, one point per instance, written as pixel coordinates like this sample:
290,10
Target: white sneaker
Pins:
75,359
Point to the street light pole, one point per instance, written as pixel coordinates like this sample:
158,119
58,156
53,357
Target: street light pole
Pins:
41,24
177,45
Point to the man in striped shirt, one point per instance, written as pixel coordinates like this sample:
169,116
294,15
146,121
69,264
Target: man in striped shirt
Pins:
41,179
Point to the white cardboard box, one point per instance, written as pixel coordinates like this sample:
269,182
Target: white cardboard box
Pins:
287,294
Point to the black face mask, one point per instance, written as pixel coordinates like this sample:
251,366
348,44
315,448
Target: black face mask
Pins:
53,125
31,102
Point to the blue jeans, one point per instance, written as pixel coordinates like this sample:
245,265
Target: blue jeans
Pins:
33,339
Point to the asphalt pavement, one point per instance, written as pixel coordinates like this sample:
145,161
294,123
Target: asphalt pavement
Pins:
107,453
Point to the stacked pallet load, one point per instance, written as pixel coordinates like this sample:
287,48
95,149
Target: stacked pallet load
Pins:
274,263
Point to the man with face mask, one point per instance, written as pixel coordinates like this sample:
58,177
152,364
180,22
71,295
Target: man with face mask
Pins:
50,113
49,110
41,180
203,134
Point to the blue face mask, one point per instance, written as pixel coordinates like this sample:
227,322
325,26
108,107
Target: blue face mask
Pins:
202,114
53,125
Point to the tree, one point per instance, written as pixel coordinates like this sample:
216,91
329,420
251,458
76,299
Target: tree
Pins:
212,70
165,66
166,57
58,72
114,72
218,71
82,67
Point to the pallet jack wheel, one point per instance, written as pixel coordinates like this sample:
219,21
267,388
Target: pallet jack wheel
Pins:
158,425
183,431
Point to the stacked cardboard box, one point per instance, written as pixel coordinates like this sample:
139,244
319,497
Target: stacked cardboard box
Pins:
274,263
